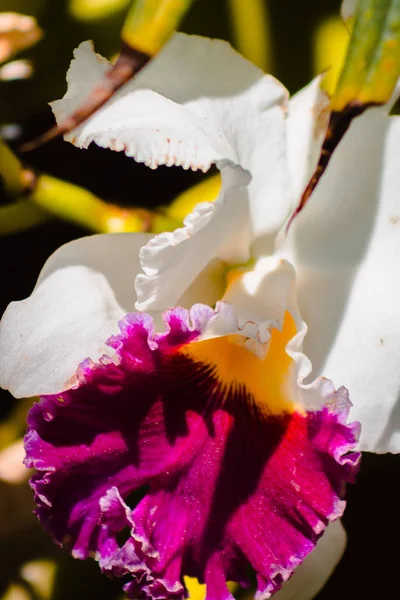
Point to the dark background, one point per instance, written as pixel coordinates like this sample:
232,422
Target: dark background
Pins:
368,568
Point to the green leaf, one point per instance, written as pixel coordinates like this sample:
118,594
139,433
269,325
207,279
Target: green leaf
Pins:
372,64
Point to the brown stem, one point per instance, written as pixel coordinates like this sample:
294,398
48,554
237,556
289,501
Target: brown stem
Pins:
128,64
339,123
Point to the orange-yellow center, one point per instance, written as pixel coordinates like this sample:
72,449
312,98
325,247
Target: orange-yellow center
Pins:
266,380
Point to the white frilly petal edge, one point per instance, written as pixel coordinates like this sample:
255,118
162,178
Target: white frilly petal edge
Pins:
197,103
171,113
181,111
172,261
85,287
310,577
224,229
260,299
252,306
201,118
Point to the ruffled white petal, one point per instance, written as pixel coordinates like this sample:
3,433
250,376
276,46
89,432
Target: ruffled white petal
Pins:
197,103
259,300
162,284
264,294
83,290
309,578
172,261
346,248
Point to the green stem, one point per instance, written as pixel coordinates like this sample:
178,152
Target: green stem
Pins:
38,197
10,170
372,64
20,216
73,203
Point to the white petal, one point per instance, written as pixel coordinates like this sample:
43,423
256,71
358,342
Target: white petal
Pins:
260,300
83,290
309,578
346,245
197,103
172,261
307,123
264,294
208,287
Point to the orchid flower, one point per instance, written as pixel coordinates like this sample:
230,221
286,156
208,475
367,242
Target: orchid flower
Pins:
175,395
